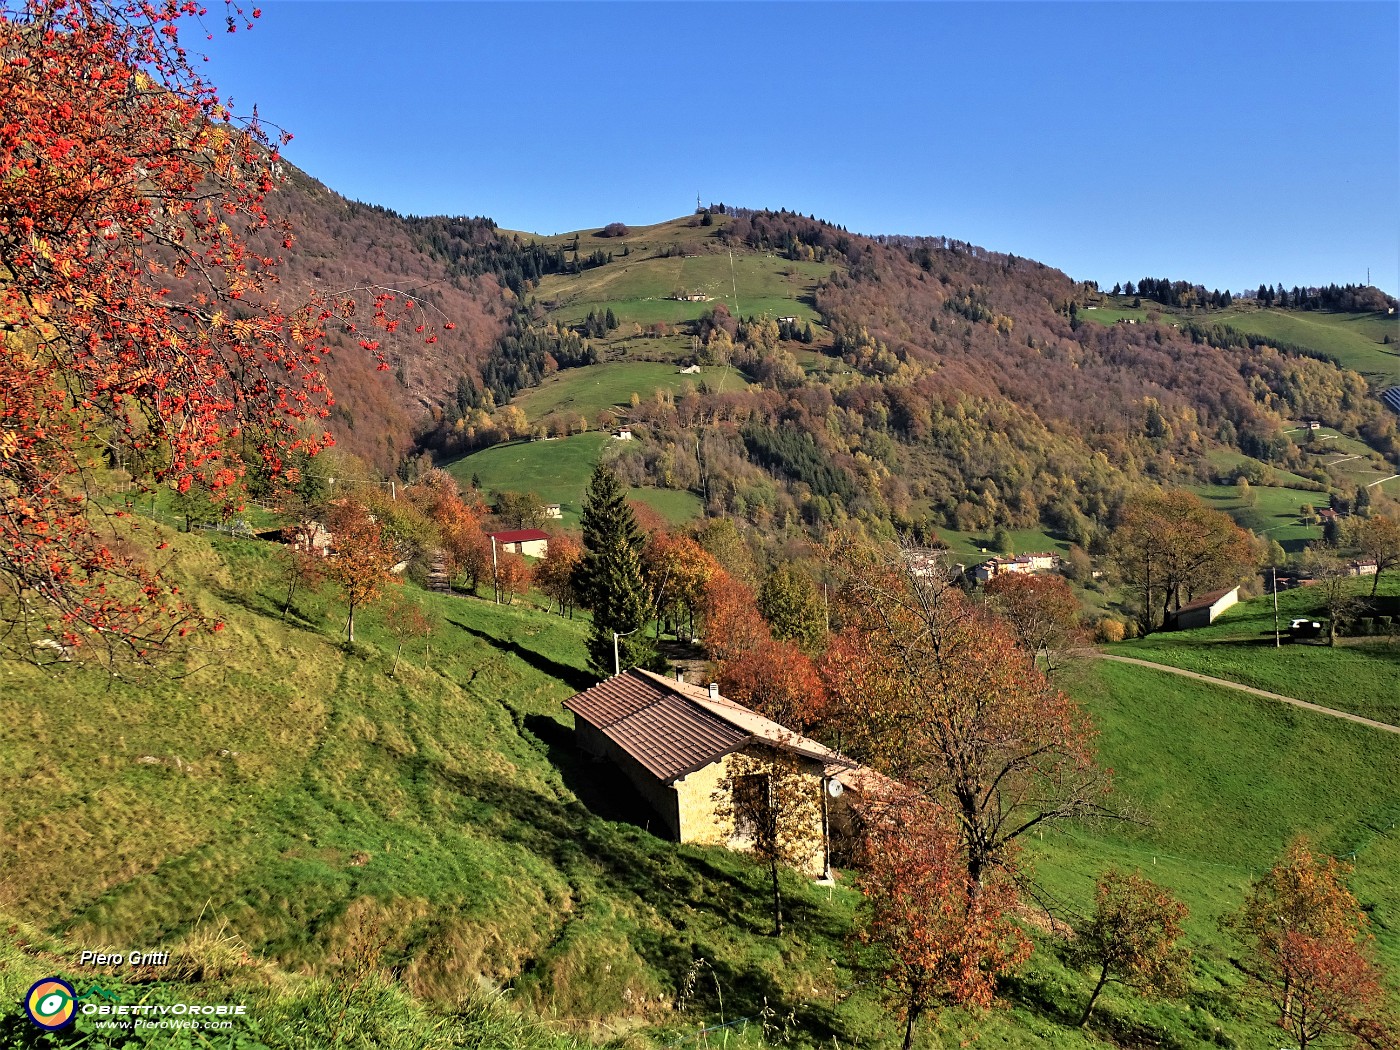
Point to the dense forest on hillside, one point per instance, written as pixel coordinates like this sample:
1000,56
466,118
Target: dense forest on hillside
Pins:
971,393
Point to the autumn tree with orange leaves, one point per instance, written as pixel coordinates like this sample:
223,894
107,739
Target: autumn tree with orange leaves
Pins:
1041,611
1131,938
1310,951
140,326
941,938
457,520
677,570
778,680
363,559
733,624
554,575
930,689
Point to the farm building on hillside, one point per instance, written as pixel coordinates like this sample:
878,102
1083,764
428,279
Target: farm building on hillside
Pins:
675,743
521,541
1023,564
1361,567
553,510
1202,611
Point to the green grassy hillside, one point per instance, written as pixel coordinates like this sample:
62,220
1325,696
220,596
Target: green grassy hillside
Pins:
556,470
1361,675
1356,341
678,256
603,386
352,850
1353,339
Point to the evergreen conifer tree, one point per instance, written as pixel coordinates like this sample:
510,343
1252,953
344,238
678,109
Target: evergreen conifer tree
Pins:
608,578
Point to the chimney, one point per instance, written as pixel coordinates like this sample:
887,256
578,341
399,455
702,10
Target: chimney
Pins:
680,676
714,690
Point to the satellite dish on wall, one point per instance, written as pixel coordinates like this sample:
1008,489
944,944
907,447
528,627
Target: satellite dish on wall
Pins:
834,788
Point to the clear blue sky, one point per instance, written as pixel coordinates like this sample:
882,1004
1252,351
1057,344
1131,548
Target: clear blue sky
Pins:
1224,143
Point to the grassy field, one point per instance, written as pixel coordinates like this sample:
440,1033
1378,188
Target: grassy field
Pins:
637,287
1225,780
556,471
324,840
603,386
1226,461
1353,460
1107,315
977,546
1354,339
1358,675
676,506
1271,512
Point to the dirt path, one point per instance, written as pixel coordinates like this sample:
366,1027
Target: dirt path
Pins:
1384,726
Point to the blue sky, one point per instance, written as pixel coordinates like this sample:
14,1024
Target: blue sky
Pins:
1224,143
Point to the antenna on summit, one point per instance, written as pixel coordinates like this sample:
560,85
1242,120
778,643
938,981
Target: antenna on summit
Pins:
698,206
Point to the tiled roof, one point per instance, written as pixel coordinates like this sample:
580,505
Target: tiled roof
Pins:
518,535
674,728
757,725
656,725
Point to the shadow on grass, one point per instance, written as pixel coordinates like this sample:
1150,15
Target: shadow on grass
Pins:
595,840
569,675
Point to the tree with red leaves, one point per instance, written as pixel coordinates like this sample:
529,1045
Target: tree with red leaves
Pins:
942,938
778,680
733,624
1041,611
1311,952
554,575
140,324
677,570
513,577
930,689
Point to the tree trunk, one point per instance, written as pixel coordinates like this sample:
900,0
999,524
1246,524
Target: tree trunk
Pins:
350,626
1103,980
290,591
394,670
777,900
910,1018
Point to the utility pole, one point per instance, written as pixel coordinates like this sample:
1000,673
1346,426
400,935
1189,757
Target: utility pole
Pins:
495,575
1277,643
617,659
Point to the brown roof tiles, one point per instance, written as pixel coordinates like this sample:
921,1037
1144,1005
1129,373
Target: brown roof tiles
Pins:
656,725
674,728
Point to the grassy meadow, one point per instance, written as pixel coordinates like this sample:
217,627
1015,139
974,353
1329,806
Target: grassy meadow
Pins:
419,856
1360,675
1272,512
599,387
557,471
1353,339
